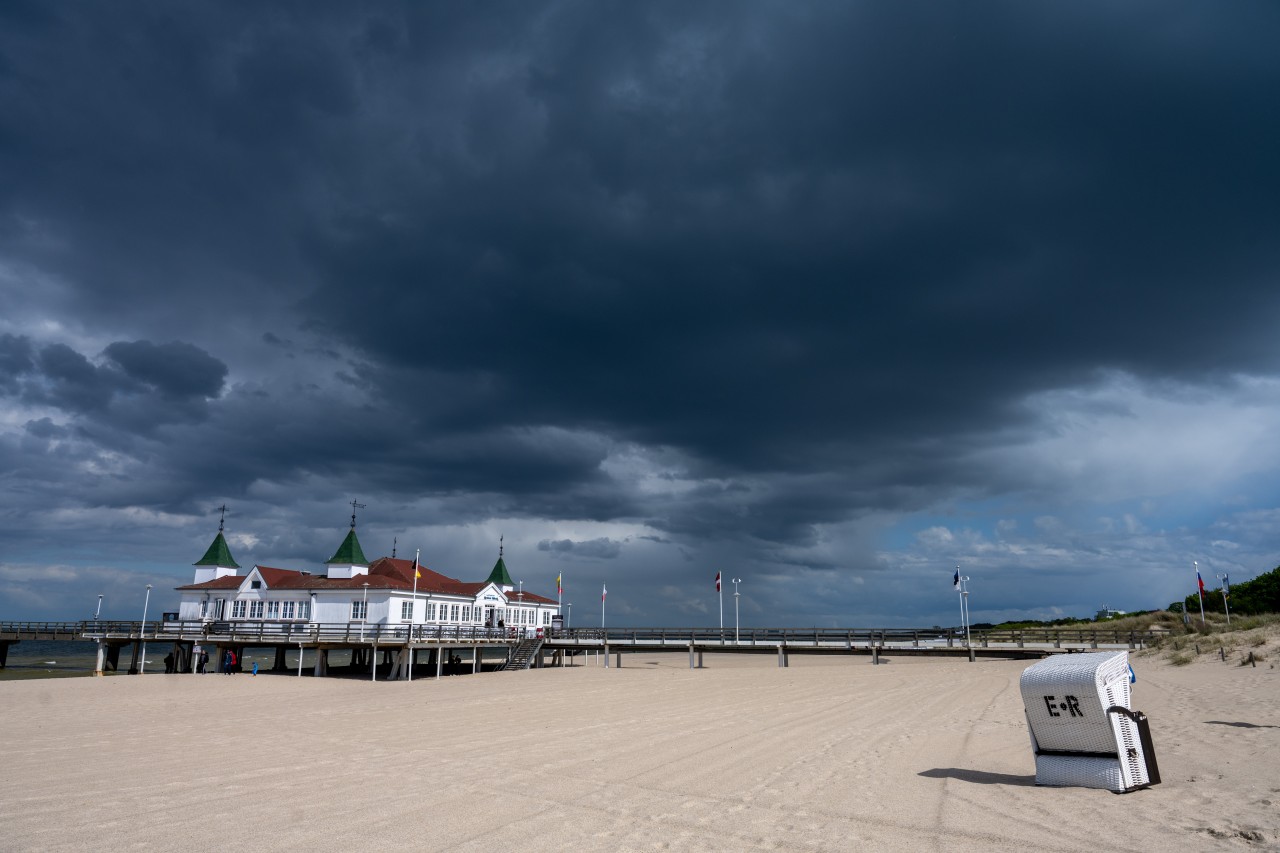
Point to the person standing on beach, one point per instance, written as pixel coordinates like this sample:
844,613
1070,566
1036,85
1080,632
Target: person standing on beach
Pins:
204,661
227,659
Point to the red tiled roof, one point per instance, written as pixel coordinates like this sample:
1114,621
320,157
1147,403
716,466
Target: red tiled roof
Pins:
384,573
227,582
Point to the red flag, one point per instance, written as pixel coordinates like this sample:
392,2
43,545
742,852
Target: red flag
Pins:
604,590
1200,583
717,581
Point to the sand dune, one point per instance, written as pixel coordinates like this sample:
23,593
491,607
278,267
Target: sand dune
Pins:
829,754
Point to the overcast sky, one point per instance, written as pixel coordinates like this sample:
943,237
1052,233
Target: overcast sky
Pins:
832,297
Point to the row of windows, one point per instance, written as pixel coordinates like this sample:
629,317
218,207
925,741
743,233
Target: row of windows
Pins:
468,613
267,609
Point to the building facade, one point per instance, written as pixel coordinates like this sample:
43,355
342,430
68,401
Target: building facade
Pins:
387,592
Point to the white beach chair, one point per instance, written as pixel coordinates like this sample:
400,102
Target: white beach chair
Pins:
1083,733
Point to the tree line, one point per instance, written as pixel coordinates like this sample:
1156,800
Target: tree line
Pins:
1260,595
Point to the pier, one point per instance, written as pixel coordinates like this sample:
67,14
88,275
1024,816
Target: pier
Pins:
462,648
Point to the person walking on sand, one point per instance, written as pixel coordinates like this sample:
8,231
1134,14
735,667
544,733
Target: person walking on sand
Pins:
204,661
227,660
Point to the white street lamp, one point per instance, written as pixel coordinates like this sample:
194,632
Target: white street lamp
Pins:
364,610
961,580
736,581
142,634
568,622
98,612
1222,576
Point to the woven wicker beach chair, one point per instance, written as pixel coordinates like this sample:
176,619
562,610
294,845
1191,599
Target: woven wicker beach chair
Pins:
1083,732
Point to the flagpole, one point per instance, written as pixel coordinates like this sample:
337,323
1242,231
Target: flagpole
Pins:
1199,590
720,592
413,609
604,592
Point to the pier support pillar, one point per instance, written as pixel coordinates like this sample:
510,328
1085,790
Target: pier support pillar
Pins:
113,657
973,656
875,655
606,655
99,662
695,657
322,663
4,652
783,659
133,661
278,665
619,658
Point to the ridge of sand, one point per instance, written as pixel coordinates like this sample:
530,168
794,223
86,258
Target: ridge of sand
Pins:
829,754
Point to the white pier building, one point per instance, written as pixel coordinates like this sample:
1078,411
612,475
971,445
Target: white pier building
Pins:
353,590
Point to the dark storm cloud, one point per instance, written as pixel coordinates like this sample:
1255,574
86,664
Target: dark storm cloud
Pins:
603,548
842,238
174,369
16,358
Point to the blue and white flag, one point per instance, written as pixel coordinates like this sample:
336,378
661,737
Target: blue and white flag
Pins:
956,580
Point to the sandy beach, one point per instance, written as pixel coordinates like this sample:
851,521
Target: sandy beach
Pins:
829,754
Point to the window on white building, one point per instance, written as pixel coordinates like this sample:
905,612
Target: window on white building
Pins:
406,611
304,610
287,609
255,609
204,608
466,613
273,610
359,609
453,613
431,611
237,610
546,617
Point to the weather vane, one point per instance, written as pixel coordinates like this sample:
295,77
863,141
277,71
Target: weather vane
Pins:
499,547
223,519
355,506
394,540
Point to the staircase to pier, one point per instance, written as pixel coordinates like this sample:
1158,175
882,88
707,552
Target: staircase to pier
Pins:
524,655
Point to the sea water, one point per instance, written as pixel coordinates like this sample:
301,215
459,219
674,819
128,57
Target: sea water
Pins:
64,658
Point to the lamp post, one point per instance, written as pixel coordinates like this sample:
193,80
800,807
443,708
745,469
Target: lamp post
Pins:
1225,583
568,622
98,612
736,581
364,610
142,633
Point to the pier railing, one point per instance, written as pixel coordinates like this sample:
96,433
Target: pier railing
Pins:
310,633
860,637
